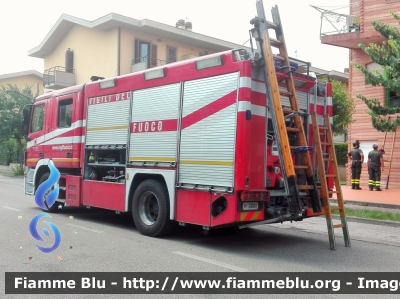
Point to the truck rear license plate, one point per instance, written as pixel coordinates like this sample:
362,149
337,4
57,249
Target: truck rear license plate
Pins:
250,206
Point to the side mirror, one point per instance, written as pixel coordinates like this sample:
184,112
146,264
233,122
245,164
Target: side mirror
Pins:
26,114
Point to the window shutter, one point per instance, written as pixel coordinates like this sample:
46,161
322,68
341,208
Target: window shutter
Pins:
171,55
153,55
69,61
136,51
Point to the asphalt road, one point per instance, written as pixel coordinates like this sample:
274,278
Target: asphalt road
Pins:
94,240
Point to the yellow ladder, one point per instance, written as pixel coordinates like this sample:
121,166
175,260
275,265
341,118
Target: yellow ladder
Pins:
280,114
330,157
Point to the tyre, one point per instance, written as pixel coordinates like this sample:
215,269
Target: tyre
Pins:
150,209
55,207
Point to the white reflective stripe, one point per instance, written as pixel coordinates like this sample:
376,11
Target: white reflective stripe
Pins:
320,101
245,82
258,110
331,120
244,105
320,120
258,86
51,135
254,85
255,109
329,101
38,141
63,140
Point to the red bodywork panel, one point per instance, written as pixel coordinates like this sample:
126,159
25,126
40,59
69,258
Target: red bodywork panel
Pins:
103,195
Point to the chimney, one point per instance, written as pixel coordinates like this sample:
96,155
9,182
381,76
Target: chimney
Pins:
346,70
188,26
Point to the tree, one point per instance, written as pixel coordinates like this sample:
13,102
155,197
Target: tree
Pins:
343,107
388,56
11,105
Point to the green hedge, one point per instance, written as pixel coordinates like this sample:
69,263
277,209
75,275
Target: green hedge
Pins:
341,153
8,152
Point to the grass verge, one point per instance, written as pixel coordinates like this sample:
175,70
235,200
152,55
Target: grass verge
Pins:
371,214
6,173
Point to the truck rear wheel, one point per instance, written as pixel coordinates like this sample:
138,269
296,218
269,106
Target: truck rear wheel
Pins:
150,209
55,207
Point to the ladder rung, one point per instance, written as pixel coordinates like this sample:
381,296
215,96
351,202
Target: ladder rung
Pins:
336,209
330,175
337,192
285,93
322,128
293,129
288,111
278,58
275,43
328,159
326,143
300,166
271,25
305,187
337,226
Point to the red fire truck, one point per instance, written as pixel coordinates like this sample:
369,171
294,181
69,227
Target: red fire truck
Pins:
190,142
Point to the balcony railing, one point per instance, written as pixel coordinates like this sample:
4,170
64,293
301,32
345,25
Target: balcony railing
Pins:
58,77
338,20
143,63
342,24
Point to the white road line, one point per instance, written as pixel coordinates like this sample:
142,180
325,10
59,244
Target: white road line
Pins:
227,266
12,209
86,228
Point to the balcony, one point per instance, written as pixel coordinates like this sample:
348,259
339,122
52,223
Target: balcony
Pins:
343,32
146,62
341,28
58,77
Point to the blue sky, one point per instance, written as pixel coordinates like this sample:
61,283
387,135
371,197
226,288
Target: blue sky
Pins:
24,24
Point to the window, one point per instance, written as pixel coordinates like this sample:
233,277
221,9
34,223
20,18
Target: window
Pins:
145,52
392,100
65,113
37,119
373,66
171,54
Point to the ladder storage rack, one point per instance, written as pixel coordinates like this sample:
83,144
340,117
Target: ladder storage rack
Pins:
279,115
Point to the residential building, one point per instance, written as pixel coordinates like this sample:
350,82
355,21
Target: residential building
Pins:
357,28
75,50
31,78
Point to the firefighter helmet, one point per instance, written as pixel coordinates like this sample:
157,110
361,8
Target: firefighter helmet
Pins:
356,143
375,146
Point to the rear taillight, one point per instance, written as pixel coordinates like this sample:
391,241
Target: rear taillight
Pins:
254,195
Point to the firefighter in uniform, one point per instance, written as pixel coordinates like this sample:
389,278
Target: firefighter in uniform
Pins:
375,166
356,156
